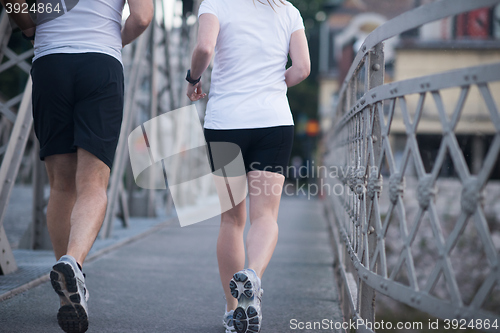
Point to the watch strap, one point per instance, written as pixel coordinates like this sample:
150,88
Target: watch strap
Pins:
190,79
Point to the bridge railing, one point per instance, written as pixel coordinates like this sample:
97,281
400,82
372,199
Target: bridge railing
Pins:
369,213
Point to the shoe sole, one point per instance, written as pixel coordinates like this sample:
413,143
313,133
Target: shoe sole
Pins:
238,282
72,318
246,321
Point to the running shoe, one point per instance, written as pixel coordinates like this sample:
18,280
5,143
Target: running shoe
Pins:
227,321
68,282
245,287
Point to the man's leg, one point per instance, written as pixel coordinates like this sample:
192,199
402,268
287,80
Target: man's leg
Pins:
76,211
61,170
77,202
92,176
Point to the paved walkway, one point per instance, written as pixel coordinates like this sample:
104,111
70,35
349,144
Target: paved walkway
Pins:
168,282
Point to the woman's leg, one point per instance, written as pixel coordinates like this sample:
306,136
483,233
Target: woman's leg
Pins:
265,195
230,248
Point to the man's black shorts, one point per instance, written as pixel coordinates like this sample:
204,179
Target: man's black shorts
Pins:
264,149
78,102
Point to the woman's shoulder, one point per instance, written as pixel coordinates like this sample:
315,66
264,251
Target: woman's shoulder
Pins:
290,8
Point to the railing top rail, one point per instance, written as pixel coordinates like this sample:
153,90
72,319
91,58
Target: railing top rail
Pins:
411,20
455,78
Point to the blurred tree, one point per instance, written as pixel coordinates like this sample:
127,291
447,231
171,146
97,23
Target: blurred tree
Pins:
13,80
303,98
309,10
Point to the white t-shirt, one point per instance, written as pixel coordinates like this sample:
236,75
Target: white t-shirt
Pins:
248,88
90,26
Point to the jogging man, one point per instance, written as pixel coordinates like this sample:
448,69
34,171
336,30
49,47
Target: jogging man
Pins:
78,91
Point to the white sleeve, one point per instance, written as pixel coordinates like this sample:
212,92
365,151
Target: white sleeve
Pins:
208,7
296,21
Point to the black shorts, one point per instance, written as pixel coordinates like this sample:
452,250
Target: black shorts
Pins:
78,102
265,149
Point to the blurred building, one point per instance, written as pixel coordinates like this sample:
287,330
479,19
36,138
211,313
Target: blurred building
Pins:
465,40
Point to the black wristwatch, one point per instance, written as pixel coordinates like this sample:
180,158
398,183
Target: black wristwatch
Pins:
28,38
190,79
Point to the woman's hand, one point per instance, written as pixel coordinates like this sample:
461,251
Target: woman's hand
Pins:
203,52
194,92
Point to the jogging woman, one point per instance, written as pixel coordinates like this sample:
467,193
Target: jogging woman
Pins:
248,107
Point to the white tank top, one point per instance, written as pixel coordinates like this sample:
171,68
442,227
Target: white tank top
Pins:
88,26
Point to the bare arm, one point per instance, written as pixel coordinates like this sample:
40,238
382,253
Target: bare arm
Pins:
23,20
301,62
141,14
203,52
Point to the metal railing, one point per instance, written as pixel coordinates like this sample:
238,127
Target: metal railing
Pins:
358,144
18,125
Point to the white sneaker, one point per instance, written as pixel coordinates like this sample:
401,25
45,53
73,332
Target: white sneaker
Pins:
227,321
68,282
246,288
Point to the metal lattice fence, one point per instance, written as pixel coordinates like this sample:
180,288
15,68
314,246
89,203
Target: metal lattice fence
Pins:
365,229
15,131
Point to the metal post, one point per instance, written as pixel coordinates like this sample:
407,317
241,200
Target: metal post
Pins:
477,153
41,239
324,46
122,151
7,261
123,206
37,236
374,77
5,33
8,172
150,199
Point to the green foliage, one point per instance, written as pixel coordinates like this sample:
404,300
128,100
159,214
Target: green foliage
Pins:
308,9
303,98
13,80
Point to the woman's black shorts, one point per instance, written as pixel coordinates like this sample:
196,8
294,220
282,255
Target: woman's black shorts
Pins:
265,149
78,102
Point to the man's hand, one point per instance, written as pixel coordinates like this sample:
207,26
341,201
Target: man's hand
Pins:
194,92
22,19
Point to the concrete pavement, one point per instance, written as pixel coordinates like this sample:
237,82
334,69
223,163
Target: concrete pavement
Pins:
168,282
